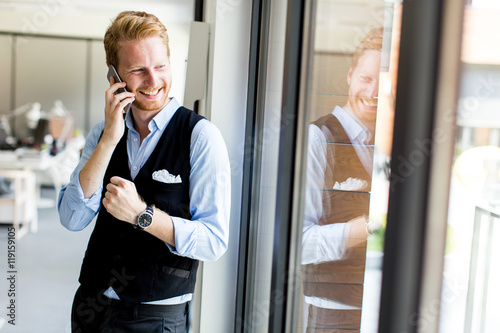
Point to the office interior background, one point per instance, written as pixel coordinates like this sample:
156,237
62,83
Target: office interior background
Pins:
262,71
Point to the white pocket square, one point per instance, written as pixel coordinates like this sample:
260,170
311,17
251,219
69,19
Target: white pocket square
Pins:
351,184
166,177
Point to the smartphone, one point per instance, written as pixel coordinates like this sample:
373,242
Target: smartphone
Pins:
113,73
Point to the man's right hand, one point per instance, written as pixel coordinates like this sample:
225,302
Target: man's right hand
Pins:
113,112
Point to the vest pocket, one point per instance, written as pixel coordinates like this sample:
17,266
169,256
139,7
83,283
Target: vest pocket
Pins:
166,186
166,197
182,273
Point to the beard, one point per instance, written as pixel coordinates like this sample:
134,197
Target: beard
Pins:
153,105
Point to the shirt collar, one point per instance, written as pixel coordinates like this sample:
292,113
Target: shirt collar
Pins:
161,120
354,128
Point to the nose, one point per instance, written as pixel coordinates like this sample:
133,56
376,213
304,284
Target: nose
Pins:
151,78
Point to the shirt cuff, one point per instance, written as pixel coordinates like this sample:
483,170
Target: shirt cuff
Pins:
77,198
183,232
323,243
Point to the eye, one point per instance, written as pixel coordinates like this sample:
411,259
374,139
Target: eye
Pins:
137,71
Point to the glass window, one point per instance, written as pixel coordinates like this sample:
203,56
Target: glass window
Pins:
350,75
469,289
352,71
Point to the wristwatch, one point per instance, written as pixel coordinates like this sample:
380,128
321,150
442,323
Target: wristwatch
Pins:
145,218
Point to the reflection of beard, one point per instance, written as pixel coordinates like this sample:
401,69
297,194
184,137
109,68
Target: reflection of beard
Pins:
358,103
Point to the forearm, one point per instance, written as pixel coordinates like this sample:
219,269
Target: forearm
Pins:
162,227
92,173
76,212
357,231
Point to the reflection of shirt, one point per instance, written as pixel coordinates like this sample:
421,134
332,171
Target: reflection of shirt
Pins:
205,237
321,243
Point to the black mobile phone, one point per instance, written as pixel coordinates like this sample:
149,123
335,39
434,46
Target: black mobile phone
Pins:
113,73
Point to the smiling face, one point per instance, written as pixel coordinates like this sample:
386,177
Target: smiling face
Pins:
363,81
145,66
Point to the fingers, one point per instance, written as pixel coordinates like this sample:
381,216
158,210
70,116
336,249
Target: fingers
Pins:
117,91
121,185
119,181
111,198
116,95
116,180
117,87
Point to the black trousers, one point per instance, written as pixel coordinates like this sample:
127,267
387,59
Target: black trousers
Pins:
95,313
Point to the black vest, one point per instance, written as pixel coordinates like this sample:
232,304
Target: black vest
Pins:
139,266
340,151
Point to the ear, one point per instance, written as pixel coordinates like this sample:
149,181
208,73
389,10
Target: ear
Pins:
349,75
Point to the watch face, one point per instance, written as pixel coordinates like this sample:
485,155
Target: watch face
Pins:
145,220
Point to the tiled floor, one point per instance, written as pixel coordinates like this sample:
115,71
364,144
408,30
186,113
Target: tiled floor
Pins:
48,263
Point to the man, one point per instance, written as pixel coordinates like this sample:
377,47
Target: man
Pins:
340,160
159,183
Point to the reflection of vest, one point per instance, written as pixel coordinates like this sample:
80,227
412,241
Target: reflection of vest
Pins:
343,162
139,266
340,280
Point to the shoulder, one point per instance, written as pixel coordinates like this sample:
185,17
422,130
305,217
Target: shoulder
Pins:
207,143
315,134
205,130
332,129
328,120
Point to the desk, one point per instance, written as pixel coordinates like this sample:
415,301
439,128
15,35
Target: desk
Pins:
58,168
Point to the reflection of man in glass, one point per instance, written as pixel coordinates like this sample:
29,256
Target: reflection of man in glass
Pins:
340,162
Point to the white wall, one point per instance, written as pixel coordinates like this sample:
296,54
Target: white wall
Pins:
226,105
